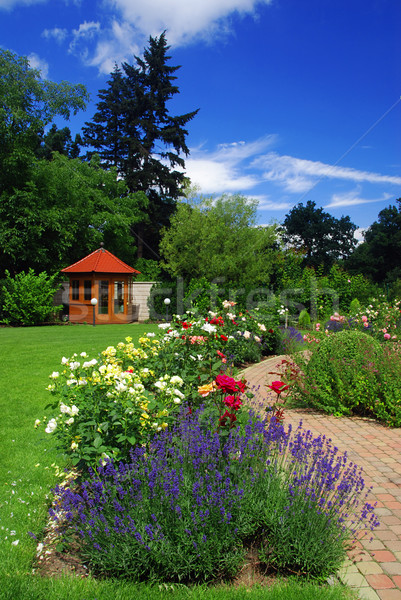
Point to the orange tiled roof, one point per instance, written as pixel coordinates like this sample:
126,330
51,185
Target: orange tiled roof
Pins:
100,261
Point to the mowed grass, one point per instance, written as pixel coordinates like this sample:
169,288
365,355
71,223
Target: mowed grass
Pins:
27,357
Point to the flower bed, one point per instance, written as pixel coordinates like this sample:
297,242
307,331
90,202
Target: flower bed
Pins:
177,477
186,507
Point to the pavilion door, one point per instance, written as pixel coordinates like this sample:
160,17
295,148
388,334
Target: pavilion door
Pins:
103,308
119,297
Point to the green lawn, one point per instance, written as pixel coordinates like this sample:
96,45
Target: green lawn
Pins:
27,357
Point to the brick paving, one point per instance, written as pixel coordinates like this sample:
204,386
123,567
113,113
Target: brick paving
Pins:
373,568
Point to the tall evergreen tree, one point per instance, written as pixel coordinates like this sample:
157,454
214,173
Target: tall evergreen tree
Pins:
134,131
105,134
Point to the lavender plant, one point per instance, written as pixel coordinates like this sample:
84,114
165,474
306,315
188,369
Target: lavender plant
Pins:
186,508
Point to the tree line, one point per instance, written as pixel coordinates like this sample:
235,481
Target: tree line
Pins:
122,181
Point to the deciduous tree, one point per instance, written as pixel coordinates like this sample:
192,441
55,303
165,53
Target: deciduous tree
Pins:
219,239
379,256
321,237
28,103
63,212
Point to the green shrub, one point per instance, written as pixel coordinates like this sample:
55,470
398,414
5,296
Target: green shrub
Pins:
150,270
304,321
201,295
28,298
354,307
352,373
244,350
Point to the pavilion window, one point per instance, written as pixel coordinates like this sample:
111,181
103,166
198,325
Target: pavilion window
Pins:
103,297
118,297
87,289
75,289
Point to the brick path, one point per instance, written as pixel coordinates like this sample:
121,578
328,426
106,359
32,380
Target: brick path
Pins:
373,568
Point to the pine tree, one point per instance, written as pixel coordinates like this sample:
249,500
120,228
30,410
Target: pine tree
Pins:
105,134
134,131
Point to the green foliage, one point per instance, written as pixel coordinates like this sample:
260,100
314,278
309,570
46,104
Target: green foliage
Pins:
354,307
54,211
304,321
321,237
379,256
396,289
27,104
202,295
320,294
150,270
28,298
57,140
65,210
351,373
218,239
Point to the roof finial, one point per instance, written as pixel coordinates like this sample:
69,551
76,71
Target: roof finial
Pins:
101,246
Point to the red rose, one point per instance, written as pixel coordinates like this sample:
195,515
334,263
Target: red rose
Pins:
224,338
223,419
232,402
229,385
278,386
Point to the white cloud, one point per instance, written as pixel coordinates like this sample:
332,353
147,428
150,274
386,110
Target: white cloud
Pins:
300,175
56,33
84,39
215,177
224,170
265,203
353,198
86,30
104,47
184,20
359,234
127,24
35,62
10,4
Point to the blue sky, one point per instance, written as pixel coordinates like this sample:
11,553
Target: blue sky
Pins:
299,100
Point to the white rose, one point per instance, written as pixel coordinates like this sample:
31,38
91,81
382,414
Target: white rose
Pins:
209,328
51,426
